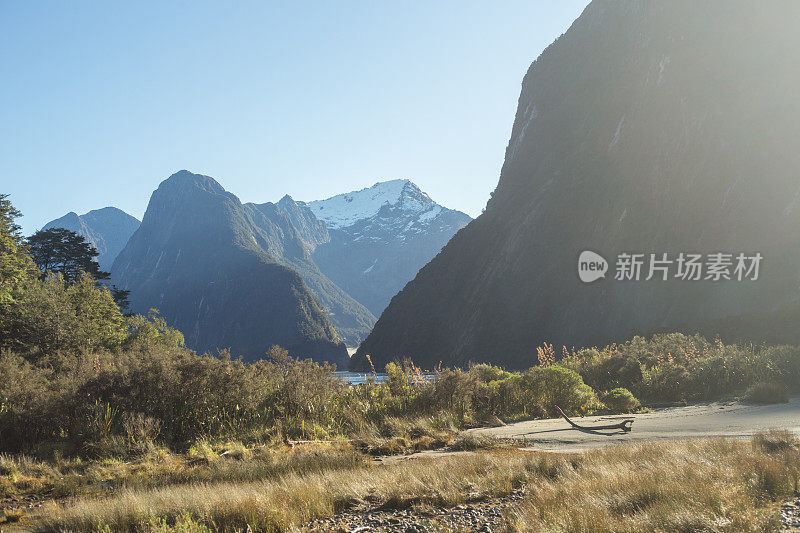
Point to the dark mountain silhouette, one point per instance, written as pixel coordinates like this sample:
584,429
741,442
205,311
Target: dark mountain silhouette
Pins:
648,127
211,266
106,229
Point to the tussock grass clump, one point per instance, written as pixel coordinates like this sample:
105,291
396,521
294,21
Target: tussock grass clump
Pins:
22,475
9,516
471,441
394,435
205,463
776,440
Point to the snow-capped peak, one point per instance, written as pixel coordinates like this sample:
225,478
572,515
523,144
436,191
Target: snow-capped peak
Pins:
346,209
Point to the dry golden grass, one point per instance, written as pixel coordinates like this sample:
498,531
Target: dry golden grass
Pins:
22,476
712,485
297,498
715,485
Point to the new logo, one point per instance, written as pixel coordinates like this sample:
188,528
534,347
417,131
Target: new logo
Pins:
591,266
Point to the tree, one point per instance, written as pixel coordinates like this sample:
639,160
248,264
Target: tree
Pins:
67,253
151,330
121,297
64,251
62,306
15,263
16,266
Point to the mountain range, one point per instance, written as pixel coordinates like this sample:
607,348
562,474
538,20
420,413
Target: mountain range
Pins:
208,262
648,127
203,259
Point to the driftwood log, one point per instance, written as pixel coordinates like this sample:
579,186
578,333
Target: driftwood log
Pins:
626,425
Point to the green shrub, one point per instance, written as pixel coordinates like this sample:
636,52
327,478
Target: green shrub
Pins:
621,401
666,382
558,386
783,364
618,370
661,348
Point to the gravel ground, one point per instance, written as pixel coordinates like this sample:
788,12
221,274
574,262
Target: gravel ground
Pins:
480,516
790,513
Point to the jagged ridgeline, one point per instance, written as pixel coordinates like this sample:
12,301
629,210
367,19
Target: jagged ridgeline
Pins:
380,237
210,264
652,127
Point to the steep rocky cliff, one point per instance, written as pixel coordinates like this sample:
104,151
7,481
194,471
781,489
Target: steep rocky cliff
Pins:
648,127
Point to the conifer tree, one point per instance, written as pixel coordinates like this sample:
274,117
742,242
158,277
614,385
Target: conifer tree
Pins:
65,252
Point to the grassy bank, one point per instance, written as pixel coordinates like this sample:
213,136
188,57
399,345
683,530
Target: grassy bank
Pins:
25,477
713,485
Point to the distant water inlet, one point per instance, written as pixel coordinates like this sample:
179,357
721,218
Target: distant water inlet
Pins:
357,378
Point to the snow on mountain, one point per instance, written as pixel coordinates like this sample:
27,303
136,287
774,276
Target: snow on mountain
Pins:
346,209
380,237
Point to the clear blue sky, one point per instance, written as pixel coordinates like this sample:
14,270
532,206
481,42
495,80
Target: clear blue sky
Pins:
100,101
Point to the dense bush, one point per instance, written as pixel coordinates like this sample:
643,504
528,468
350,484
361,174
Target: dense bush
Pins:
96,402
621,400
607,373
75,401
676,367
121,399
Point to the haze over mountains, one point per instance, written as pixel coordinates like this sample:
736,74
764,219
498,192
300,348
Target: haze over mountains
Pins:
209,263
107,229
648,127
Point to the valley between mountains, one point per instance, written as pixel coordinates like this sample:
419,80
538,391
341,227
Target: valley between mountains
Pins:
648,128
